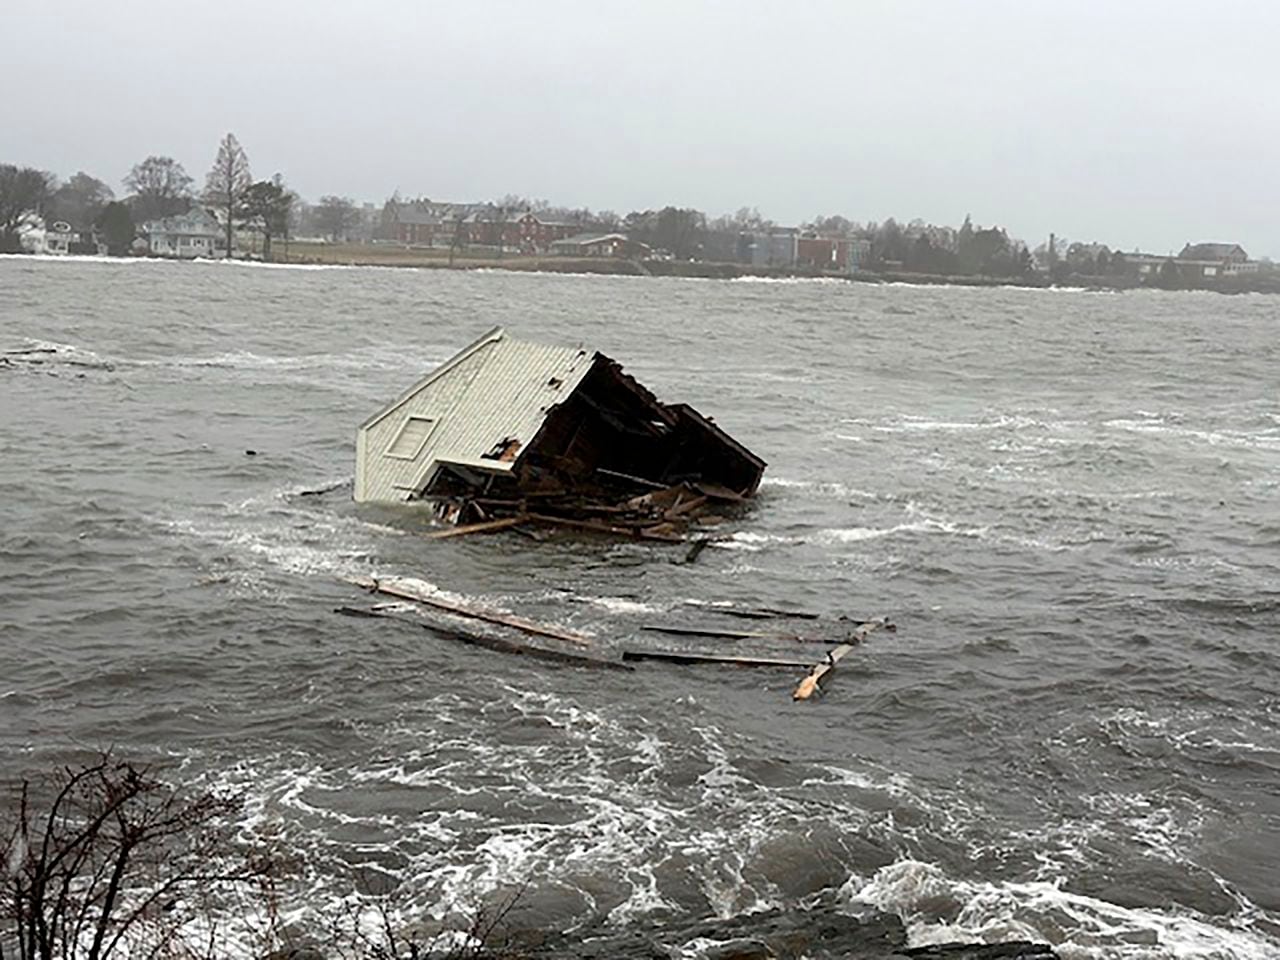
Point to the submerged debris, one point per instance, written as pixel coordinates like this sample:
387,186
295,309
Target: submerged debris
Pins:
510,433
419,603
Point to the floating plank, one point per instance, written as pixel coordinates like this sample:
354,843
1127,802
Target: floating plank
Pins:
741,634
809,685
704,632
318,491
492,643
700,544
488,526
754,613
686,656
595,527
407,589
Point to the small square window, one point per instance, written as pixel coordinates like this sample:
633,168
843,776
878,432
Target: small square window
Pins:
410,439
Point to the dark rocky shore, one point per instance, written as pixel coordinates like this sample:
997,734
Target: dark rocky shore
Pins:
815,934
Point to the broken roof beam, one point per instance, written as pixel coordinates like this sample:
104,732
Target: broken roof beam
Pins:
739,469
609,373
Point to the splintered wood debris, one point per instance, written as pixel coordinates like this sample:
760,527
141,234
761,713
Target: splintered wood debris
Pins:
420,604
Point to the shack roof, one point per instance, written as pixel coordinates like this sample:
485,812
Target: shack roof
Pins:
496,391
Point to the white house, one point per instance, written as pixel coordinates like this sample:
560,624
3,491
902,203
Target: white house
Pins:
195,233
37,236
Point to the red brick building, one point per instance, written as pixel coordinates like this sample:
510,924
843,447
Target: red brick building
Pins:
427,223
524,230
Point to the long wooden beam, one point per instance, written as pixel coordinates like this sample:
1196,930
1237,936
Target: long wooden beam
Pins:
685,656
639,532
737,634
489,642
705,632
488,526
406,589
754,613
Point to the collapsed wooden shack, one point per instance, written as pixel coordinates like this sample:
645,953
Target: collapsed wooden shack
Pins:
509,432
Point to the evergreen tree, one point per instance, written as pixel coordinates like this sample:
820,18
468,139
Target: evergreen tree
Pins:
116,224
266,207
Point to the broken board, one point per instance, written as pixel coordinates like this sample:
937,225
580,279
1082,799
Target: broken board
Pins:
504,645
809,685
688,656
407,588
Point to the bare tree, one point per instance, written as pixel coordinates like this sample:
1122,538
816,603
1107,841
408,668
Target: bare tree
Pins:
225,187
335,216
117,862
23,192
159,187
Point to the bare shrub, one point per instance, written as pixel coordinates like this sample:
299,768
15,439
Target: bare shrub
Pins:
372,930
107,859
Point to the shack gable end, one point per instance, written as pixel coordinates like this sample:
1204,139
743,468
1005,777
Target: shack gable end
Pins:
382,471
480,410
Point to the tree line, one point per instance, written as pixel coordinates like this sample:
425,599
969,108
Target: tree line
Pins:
159,187
689,234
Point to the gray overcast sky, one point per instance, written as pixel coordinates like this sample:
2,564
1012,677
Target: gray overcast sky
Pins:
1133,122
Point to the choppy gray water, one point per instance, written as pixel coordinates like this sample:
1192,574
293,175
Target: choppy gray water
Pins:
1069,502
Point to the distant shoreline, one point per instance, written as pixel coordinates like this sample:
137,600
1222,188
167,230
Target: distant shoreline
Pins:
364,255
438,259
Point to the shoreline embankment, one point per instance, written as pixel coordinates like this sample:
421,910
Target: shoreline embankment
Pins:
363,255
378,255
